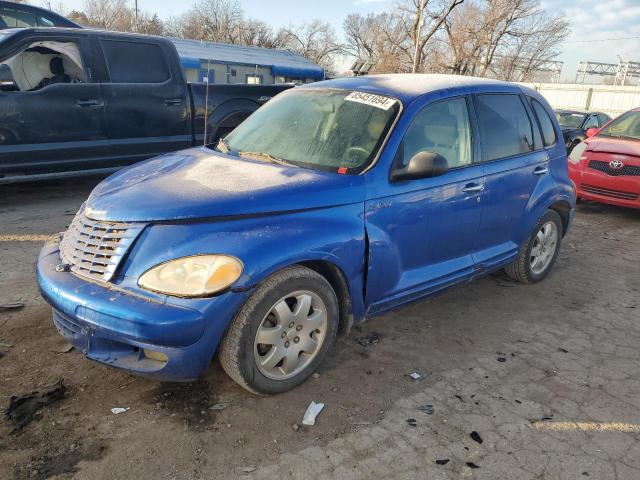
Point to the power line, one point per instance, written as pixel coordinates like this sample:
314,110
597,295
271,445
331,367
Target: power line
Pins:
604,39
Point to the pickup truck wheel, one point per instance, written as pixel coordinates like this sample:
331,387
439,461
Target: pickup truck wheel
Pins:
538,254
282,333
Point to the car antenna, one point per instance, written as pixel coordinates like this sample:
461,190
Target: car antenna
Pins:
206,102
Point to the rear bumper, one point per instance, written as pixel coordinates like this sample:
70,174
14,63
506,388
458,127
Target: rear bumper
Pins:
120,328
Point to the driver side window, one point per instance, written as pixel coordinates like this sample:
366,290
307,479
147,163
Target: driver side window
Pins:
441,128
41,64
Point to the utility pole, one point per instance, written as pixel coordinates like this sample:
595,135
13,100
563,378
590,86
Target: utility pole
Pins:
136,14
417,53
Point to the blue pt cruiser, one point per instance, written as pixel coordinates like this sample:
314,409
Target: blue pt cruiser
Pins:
333,202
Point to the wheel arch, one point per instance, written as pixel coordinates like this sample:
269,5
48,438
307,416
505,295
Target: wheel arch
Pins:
227,116
563,208
338,281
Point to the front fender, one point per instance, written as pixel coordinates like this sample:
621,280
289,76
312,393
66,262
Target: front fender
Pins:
264,244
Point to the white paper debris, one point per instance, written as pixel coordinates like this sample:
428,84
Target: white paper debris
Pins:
118,410
312,412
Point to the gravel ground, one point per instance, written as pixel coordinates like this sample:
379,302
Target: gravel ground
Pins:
547,376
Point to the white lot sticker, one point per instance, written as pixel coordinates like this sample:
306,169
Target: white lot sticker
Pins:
385,103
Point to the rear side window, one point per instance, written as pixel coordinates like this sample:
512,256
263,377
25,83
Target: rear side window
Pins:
505,128
546,125
130,62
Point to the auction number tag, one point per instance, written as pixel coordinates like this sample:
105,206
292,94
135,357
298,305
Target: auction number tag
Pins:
378,101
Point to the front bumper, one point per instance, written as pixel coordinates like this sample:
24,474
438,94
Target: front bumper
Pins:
596,186
143,335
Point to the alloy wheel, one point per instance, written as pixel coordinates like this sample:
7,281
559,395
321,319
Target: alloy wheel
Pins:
290,335
544,247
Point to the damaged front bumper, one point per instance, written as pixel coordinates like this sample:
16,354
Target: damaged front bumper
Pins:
143,335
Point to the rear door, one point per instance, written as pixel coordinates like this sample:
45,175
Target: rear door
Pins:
147,107
45,126
514,162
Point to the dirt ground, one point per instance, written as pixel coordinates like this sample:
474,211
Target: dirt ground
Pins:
172,431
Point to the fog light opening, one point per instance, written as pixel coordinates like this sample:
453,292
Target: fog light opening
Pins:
157,356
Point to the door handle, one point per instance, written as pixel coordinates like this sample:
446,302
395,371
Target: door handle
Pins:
473,187
173,102
89,103
541,170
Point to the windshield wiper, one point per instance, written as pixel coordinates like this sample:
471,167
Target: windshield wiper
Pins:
268,157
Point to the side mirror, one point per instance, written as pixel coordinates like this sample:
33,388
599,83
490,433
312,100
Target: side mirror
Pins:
591,132
421,165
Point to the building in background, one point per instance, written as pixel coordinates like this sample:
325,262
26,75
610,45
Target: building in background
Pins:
224,63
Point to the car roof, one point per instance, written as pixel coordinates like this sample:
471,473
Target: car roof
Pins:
74,31
581,112
38,10
408,86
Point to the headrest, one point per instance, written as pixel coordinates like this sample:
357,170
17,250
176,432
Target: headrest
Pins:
56,66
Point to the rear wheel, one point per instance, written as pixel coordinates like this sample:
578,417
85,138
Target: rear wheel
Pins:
282,333
538,254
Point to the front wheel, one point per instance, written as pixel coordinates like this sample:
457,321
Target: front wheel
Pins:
282,333
538,254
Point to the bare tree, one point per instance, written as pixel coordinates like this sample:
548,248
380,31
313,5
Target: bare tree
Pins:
315,40
421,19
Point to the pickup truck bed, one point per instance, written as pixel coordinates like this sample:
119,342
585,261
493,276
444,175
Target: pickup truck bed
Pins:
110,99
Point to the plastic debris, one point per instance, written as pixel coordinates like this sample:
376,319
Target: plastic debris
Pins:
368,340
315,375
119,410
11,306
443,461
22,408
412,422
61,346
428,409
415,376
313,410
475,436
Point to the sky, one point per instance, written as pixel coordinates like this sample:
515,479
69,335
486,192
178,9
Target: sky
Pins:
593,23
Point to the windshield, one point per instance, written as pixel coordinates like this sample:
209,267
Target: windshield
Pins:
324,129
626,125
570,119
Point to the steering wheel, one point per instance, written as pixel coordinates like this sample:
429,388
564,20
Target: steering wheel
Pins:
357,155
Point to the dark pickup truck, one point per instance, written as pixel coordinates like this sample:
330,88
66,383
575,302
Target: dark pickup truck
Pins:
77,101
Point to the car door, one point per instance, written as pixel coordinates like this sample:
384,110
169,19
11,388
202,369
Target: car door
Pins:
47,126
514,162
147,107
421,236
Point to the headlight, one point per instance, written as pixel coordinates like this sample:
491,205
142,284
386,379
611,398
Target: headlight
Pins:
197,276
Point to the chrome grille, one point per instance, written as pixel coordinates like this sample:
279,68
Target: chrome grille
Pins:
94,249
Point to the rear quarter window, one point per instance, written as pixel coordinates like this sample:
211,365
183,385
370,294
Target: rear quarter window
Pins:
546,124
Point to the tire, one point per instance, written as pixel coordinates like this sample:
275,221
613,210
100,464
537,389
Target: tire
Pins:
524,269
253,364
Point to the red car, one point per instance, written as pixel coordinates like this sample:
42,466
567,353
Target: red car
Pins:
606,166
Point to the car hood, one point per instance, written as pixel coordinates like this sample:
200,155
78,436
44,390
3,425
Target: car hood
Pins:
614,145
201,183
